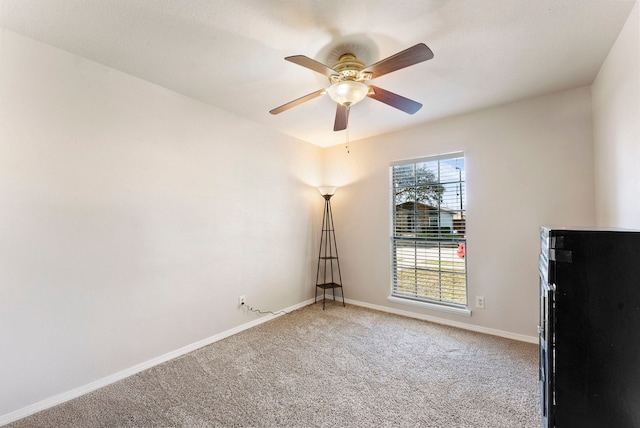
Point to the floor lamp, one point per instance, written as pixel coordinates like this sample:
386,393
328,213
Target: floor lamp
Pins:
328,275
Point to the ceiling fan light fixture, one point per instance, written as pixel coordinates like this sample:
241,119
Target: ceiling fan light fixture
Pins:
348,92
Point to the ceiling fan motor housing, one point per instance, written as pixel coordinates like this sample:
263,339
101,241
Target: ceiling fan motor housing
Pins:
349,67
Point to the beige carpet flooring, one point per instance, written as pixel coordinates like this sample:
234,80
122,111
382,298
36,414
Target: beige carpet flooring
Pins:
342,367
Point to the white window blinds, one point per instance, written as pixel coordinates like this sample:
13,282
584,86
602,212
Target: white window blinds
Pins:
428,237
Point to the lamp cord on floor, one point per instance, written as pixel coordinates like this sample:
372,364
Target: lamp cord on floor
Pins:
258,311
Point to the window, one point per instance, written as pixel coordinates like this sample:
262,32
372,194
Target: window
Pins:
428,237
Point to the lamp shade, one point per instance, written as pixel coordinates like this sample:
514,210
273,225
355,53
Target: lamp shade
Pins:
327,190
348,92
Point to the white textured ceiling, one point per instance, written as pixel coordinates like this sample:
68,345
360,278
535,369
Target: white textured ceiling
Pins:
229,53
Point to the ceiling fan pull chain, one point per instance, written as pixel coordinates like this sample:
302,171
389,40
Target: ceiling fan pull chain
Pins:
347,145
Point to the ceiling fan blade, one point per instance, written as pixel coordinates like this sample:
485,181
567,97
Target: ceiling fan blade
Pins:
407,57
342,118
311,64
297,101
394,100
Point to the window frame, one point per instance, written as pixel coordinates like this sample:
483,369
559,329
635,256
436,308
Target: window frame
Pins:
416,300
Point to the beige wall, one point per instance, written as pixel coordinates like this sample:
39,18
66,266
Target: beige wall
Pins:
131,218
528,164
616,130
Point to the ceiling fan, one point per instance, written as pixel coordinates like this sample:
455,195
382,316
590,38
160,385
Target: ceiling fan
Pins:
348,79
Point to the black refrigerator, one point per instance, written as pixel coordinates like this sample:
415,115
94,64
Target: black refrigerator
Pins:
589,328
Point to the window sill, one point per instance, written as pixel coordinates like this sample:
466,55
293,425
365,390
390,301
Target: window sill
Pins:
432,306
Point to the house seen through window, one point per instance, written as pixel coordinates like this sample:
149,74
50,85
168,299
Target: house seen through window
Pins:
428,237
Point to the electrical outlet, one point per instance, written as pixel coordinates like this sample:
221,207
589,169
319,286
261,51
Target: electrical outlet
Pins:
241,301
480,302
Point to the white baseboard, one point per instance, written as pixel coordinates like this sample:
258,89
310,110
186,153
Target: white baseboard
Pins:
85,389
464,326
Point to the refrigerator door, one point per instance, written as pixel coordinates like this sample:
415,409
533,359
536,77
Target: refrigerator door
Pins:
597,329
